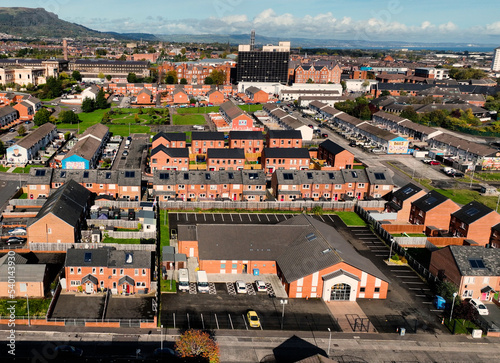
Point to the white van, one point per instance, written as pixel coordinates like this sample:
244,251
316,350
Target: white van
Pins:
202,281
183,279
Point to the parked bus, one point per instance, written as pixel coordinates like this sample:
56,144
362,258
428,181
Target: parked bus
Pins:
202,281
183,279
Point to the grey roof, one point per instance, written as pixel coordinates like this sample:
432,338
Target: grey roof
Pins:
378,132
109,62
490,257
354,176
37,135
338,273
67,203
463,144
380,176
98,130
7,110
245,135
231,110
225,154
40,176
105,257
472,212
90,278
289,153
430,201
170,136
349,119
24,273
285,134
17,259
126,279
130,178
331,147
92,258
231,176
85,148
181,152
406,191
207,135
298,177
252,90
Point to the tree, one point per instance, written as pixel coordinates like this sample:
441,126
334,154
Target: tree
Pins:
100,75
410,113
63,75
219,77
76,76
184,81
123,57
101,52
136,118
105,118
100,100
41,117
344,86
68,117
132,78
88,105
195,343
52,88
109,77
309,81
192,100
67,135
2,148
171,77
365,84
385,93
21,130
209,80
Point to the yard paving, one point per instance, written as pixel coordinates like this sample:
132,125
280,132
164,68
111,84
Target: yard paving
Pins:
79,306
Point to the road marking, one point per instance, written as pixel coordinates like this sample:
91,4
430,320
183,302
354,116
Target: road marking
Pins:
267,216
435,310
231,217
258,216
427,302
414,282
381,255
222,215
421,295
409,277
241,220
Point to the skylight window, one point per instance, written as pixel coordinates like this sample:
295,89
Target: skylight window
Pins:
164,176
311,237
309,175
379,176
88,257
331,176
288,176
40,172
476,263
85,174
130,174
407,190
208,176
186,176
230,175
430,200
354,174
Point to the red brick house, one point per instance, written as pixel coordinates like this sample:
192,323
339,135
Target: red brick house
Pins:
26,111
144,97
335,155
235,117
402,199
166,158
179,96
169,139
433,209
250,141
215,97
474,270
123,272
301,251
281,158
474,221
202,141
225,159
284,139
256,95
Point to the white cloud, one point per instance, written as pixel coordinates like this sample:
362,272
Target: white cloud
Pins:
324,25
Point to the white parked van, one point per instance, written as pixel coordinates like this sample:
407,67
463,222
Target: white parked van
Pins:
202,281
183,279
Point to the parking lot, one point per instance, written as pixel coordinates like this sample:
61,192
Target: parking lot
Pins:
131,157
225,309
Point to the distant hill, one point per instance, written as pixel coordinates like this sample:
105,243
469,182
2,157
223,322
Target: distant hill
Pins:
39,23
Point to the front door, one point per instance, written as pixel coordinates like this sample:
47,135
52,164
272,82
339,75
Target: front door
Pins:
89,288
340,292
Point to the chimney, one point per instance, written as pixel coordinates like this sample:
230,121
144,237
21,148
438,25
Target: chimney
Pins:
65,49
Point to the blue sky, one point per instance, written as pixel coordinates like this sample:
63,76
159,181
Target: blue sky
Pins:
423,20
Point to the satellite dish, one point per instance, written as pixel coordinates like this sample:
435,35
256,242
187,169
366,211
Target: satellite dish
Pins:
129,258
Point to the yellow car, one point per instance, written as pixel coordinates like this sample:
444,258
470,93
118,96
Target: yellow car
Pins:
253,319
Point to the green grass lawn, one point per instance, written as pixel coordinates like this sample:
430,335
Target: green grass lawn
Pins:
461,326
25,169
38,307
168,285
250,108
351,218
488,176
23,196
3,168
123,130
189,119
164,231
200,109
123,241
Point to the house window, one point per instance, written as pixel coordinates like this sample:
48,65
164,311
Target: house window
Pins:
114,272
121,272
49,230
362,289
222,265
313,289
143,272
71,270
377,289
79,271
235,265
101,271
136,272
75,283
299,288
94,270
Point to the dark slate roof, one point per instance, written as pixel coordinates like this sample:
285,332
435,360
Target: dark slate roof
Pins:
245,135
285,134
380,176
225,154
430,201
354,176
472,212
253,177
331,147
129,178
110,62
66,203
76,257
207,135
406,191
170,136
298,153
90,278
40,176
181,152
489,256
126,279
16,258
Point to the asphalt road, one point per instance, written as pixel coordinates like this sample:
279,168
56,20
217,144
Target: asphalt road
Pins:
7,189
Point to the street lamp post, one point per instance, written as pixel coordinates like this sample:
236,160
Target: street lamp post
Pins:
452,305
283,302
28,308
161,337
329,341
390,250
498,200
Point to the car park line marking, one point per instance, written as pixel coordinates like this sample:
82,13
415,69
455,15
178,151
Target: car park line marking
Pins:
244,320
231,321
231,217
381,255
427,302
213,217
258,216
249,218
420,295
414,282
222,215
267,218
241,220
275,216
409,277
204,217
435,310
322,219
260,325
216,321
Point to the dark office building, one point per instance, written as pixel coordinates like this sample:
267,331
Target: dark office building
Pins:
262,66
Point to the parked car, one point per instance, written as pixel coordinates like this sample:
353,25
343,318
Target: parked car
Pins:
125,153
261,286
12,130
68,350
479,306
15,240
253,319
17,231
457,174
324,136
165,352
434,162
241,287
426,160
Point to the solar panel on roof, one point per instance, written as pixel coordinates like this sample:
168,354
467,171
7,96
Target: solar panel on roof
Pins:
407,190
40,172
309,175
88,257
476,263
108,175
85,174
331,175
208,176
63,174
186,176
230,175
379,176
164,176
288,176
311,237
130,174
354,174
472,211
253,176
430,200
